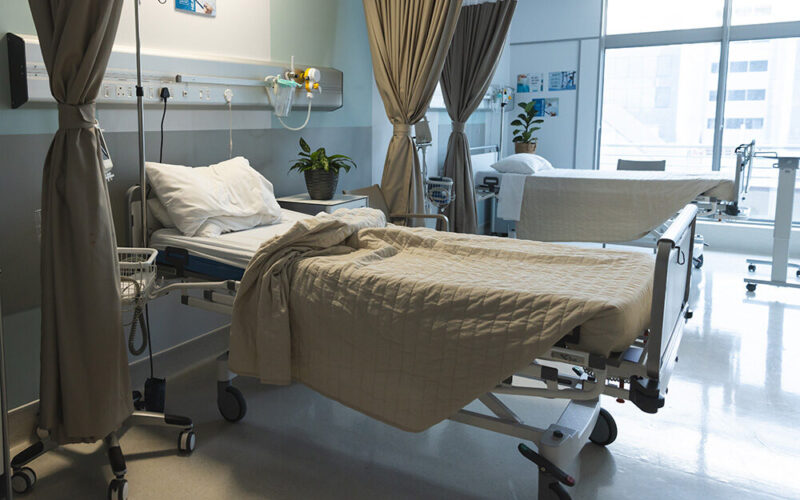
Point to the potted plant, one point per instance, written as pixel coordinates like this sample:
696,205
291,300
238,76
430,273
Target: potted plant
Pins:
524,142
321,170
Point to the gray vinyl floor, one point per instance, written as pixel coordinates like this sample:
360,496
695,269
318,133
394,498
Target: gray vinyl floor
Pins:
730,430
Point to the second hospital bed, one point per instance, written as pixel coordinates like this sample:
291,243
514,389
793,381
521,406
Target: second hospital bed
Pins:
626,350
606,206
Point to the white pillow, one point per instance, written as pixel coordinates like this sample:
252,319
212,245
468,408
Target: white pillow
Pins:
522,163
160,213
228,196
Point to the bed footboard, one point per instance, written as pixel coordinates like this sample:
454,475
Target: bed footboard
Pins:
670,309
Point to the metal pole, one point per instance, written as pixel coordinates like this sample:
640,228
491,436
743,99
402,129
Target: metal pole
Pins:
722,86
8,493
140,113
502,123
601,64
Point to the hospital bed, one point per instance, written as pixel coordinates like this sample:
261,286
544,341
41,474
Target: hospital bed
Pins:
205,271
608,206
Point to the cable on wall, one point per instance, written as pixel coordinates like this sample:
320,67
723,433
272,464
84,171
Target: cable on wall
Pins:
164,94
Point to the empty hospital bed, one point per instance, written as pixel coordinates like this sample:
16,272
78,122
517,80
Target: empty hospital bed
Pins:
626,350
608,206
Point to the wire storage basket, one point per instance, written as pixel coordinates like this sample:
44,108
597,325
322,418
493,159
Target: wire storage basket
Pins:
137,273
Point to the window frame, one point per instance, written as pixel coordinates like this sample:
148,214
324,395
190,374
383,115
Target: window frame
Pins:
724,35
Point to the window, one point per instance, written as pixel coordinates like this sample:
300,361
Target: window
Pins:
737,95
648,115
715,67
738,66
754,123
712,95
764,11
636,16
734,123
662,97
710,123
770,116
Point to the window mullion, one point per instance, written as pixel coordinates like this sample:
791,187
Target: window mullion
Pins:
722,86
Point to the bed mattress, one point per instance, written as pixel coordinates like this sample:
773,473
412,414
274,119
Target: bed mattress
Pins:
233,249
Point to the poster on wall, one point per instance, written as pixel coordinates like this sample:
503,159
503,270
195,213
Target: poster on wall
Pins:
538,107
201,7
530,82
562,80
551,107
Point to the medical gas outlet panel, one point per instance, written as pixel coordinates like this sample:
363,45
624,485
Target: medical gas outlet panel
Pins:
191,82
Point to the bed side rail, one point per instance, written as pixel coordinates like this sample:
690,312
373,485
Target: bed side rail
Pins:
670,309
744,167
133,227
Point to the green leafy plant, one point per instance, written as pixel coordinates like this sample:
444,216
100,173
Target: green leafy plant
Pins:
319,160
527,123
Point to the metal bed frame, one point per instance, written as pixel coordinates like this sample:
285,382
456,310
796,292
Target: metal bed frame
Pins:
640,374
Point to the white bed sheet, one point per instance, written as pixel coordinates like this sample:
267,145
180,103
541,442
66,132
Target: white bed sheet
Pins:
234,249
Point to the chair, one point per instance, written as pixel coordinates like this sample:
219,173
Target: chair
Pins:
378,201
652,166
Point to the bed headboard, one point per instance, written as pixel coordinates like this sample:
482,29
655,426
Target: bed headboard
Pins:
133,233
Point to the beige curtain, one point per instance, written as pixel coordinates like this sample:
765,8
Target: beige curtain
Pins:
85,386
468,70
408,40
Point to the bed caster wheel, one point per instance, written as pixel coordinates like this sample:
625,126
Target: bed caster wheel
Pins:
797,273
751,287
231,403
751,268
605,429
698,262
23,480
118,489
187,441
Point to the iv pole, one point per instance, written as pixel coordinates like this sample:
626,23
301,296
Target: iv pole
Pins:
140,115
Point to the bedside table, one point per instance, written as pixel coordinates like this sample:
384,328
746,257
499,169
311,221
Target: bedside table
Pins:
304,204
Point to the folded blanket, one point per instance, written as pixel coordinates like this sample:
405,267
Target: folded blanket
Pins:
408,325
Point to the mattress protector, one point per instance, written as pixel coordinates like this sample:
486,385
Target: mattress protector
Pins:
408,325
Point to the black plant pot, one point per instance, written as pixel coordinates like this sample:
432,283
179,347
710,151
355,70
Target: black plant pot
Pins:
321,185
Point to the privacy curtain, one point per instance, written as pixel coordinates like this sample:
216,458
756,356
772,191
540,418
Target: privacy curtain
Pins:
408,40
468,70
85,386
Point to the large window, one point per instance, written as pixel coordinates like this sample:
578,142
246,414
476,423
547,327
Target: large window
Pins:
661,99
770,115
637,16
655,105
764,11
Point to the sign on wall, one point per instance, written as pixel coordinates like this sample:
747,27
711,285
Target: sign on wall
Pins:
562,80
531,82
201,7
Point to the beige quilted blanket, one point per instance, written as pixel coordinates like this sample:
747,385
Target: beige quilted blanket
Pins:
609,206
408,325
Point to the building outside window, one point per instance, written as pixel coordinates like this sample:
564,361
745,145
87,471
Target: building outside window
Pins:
659,100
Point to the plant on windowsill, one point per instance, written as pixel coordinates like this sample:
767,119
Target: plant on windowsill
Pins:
321,171
524,141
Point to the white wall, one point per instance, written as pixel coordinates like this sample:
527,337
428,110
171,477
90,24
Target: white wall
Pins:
547,20
238,31
560,36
